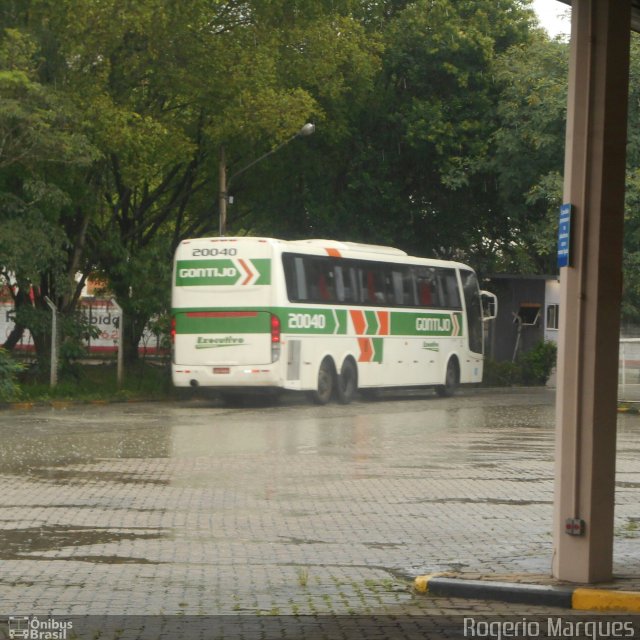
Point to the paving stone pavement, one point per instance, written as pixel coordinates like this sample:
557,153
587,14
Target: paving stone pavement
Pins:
193,509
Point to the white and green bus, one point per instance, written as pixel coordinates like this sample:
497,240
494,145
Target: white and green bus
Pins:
330,318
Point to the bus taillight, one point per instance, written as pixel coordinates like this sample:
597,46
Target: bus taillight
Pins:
275,329
173,329
275,338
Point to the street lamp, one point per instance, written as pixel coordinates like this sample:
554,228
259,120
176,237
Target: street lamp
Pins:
224,182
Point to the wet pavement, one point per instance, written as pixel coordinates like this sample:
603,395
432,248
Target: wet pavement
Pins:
294,510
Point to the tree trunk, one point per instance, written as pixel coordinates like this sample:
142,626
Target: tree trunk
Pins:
14,337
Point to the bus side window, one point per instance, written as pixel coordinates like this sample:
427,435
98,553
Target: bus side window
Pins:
353,279
402,284
374,286
301,283
397,286
341,292
294,277
450,287
427,295
413,290
320,280
371,287
424,293
346,284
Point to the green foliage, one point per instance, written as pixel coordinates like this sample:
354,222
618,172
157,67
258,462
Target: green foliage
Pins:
528,152
538,362
531,368
9,370
98,382
75,330
440,129
501,374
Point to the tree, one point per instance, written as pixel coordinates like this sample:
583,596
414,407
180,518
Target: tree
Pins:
42,159
161,87
405,156
528,152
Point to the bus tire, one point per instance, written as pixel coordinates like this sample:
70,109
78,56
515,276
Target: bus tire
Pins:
326,383
451,380
347,382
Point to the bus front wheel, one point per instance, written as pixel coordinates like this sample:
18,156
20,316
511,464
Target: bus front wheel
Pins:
451,379
326,378
347,382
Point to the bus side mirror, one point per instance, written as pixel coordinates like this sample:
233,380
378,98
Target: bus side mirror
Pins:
489,305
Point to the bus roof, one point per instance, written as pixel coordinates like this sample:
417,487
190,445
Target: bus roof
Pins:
345,248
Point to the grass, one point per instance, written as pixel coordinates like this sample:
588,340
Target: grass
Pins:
303,576
143,380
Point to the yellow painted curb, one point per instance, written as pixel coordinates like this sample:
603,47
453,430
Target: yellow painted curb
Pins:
421,583
21,405
605,600
60,404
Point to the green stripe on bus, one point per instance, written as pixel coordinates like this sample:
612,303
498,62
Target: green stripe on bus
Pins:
318,321
378,347
313,321
372,322
199,322
263,267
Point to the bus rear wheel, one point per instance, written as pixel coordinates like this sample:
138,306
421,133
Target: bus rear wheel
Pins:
326,383
451,380
347,383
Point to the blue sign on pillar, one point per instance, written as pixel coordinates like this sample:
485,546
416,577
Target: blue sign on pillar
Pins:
564,236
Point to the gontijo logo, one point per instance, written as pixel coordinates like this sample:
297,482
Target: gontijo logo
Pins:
208,272
438,324
225,272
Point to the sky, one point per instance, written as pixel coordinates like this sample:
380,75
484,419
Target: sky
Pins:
553,16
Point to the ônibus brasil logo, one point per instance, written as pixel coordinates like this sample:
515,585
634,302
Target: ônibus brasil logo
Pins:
32,628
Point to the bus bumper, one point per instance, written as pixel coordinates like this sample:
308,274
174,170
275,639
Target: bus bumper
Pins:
226,376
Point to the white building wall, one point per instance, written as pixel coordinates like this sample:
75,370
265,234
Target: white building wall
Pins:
551,299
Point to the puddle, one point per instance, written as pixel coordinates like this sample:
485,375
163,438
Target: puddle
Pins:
21,543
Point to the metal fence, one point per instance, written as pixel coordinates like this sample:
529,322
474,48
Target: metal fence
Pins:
629,370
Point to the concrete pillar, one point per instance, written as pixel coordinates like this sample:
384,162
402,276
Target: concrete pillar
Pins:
591,289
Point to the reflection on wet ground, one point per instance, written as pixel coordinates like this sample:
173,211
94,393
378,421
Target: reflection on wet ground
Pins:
201,509
35,541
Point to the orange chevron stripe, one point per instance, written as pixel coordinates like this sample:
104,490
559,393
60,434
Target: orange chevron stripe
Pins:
334,253
359,322
366,349
247,271
383,321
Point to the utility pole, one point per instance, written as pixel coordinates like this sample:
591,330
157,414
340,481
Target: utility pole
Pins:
223,182
222,192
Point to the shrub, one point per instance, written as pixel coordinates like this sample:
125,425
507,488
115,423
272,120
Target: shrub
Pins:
9,369
538,363
501,374
532,368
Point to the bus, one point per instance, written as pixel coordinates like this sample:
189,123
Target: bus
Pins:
326,317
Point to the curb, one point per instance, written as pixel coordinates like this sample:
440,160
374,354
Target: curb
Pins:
626,408
66,404
565,597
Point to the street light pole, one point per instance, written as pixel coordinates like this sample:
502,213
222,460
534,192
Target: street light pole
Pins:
222,193
224,182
